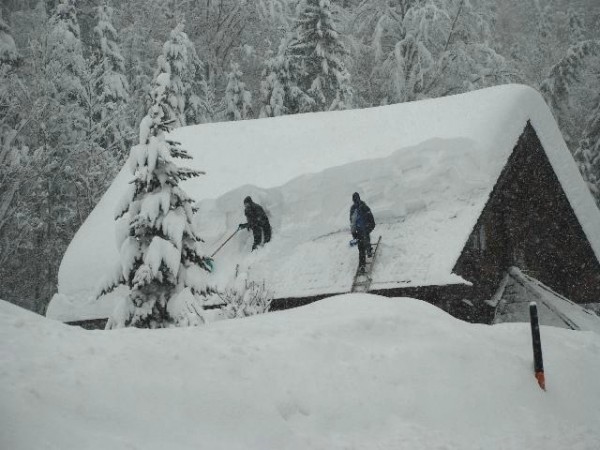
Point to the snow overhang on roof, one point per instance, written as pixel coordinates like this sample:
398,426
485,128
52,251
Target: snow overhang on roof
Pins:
426,169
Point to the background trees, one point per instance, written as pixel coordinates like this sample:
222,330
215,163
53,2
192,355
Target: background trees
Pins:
76,79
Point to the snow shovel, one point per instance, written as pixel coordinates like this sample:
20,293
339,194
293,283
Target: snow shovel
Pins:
226,241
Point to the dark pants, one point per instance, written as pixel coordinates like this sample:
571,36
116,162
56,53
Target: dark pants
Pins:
262,234
364,247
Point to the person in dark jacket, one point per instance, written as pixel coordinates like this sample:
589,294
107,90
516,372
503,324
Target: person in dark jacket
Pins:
258,222
362,223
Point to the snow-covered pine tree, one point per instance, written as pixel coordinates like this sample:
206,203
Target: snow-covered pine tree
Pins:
111,85
318,55
198,105
273,87
468,60
545,42
432,48
161,258
9,58
273,10
208,108
280,93
557,86
588,152
238,100
576,26
180,61
10,122
105,97
59,131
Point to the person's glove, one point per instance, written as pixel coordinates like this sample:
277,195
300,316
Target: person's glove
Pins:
242,226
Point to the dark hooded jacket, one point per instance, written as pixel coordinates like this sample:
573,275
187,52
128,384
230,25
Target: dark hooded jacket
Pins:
255,214
361,217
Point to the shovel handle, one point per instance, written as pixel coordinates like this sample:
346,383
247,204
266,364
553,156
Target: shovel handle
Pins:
226,241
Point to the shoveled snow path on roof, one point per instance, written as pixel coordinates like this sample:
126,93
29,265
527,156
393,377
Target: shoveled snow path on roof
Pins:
423,224
350,372
265,153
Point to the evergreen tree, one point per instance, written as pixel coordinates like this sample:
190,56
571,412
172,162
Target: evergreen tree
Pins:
588,152
238,99
108,73
9,58
105,96
8,51
209,108
431,48
273,10
557,86
10,122
161,259
60,122
280,93
576,26
180,61
318,54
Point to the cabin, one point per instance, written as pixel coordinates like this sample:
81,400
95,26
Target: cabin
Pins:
462,188
529,223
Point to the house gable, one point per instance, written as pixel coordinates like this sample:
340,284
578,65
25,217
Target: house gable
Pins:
528,222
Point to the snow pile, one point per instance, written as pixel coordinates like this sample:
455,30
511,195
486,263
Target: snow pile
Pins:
426,169
350,372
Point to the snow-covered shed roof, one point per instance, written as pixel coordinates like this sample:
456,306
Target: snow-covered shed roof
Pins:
518,290
425,168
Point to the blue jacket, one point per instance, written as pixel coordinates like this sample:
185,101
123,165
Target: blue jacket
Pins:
361,219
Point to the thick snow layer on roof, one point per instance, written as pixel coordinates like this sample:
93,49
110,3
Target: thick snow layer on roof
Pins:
309,253
425,168
351,372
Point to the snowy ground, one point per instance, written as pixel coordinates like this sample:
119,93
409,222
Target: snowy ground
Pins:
349,372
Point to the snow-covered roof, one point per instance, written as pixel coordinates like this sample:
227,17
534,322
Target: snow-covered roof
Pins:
519,289
425,168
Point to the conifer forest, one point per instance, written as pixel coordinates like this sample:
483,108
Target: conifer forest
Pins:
76,78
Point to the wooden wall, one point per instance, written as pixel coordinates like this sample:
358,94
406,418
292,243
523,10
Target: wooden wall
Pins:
529,223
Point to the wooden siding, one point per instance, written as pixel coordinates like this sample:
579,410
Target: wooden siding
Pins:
450,298
294,302
94,324
528,222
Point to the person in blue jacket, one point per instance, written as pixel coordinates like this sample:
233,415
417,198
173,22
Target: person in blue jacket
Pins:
362,223
258,222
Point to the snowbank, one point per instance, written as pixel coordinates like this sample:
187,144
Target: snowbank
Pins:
350,372
426,168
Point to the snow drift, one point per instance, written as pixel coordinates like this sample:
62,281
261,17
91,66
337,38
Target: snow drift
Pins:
350,372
